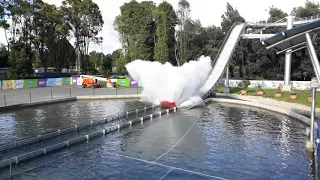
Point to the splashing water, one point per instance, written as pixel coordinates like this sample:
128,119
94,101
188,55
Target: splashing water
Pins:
164,82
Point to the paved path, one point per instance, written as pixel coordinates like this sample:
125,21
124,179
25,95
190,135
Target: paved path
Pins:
298,108
20,96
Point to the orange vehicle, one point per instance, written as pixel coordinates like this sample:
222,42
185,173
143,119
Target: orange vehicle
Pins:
90,83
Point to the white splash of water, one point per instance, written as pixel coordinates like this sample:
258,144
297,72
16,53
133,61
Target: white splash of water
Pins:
164,82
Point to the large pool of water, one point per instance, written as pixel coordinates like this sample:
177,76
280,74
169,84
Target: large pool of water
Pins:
29,122
216,142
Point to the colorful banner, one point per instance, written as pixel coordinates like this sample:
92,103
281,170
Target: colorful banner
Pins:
133,83
19,84
79,81
58,81
74,81
9,84
51,82
30,83
66,81
123,82
42,83
102,83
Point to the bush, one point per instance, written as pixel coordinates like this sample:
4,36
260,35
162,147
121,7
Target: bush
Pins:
240,85
279,89
246,83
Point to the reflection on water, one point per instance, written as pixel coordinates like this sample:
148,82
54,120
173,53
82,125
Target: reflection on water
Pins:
224,141
32,121
255,143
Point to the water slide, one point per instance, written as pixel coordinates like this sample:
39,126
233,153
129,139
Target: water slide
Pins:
223,57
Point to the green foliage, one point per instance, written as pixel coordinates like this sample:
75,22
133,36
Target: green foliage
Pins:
309,9
165,21
20,61
276,14
292,93
84,19
230,17
107,64
120,64
136,27
183,14
246,84
4,56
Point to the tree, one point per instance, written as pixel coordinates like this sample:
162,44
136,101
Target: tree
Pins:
165,21
107,64
20,60
85,19
309,9
136,27
183,16
230,17
3,15
4,56
50,32
63,56
276,14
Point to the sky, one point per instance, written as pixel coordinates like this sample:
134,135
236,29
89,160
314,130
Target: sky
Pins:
207,11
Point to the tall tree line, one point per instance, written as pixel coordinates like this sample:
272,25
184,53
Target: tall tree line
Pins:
159,33
39,34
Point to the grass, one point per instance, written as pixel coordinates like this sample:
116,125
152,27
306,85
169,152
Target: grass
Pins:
269,93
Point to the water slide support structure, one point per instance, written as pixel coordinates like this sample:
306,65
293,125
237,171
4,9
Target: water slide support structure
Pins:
227,88
288,58
314,85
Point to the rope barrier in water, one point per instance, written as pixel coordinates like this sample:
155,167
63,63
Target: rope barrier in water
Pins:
85,138
81,139
70,129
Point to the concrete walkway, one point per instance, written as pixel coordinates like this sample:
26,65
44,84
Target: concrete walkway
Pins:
22,96
298,108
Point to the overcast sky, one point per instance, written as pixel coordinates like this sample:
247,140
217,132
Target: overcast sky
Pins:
208,11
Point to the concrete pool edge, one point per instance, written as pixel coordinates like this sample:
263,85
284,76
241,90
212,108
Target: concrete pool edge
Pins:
38,103
286,112
68,99
131,96
297,108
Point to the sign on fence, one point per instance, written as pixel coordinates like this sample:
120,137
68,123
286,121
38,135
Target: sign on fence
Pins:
133,83
19,84
123,82
75,81
30,83
9,84
42,83
66,81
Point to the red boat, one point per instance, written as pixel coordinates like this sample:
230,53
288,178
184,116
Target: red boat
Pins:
167,104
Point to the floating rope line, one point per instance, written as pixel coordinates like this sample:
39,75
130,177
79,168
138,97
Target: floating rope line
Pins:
81,139
74,128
